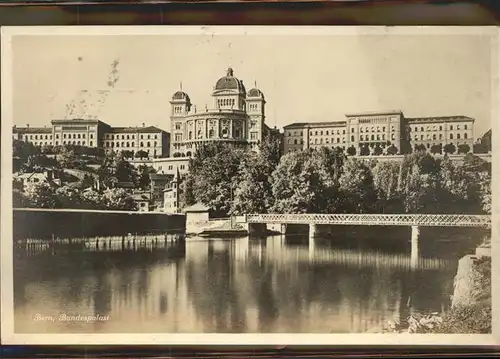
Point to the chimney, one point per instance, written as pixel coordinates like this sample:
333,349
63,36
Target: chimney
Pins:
143,124
28,125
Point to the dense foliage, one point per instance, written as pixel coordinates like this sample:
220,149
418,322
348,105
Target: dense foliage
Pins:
89,177
326,180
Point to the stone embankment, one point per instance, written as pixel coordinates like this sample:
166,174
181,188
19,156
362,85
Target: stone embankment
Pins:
470,311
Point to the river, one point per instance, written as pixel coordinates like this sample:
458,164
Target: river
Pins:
352,282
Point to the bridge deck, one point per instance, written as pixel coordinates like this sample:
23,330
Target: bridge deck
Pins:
426,220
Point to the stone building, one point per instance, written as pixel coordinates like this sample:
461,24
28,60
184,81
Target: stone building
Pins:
172,195
95,133
237,116
380,129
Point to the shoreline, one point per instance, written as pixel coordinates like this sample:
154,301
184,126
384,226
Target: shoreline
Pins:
470,304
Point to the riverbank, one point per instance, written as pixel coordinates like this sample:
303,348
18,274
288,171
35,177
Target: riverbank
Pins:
471,302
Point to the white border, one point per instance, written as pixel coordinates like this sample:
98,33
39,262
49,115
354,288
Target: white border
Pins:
6,264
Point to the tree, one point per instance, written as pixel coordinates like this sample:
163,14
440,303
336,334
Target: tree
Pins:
145,176
308,181
385,181
449,148
87,181
356,183
40,195
364,151
473,163
463,148
18,198
418,183
48,150
351,151
486,194
141,154
479,148
68,197
118,199
437,149
187,190
91,199
392,150
377,151
213,169
67,157
23,150
128,154
253,187
420,148
116,169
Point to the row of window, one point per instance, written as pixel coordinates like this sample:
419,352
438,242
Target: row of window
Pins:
178,109
211,134
171,167
377,137
377,129
226,102
36,137
434,136
76,143
327,133
49,137
56,143
129,144
42,143
253,107
130,137
74,135
434,128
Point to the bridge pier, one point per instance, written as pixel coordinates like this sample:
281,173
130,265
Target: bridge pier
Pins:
415,253
317,230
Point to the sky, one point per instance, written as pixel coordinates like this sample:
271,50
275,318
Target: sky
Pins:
305,78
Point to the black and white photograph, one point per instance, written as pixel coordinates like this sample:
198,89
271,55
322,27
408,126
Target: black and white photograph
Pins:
285,185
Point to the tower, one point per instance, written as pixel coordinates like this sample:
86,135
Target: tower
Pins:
180,107
255,107
229,93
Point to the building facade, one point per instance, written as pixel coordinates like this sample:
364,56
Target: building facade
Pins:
380,130
95,133
236,117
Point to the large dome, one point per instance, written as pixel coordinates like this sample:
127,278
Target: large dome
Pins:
179,95
229,82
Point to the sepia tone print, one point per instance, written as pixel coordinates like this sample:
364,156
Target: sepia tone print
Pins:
265,183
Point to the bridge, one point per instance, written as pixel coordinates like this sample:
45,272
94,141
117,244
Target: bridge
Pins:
426,220
257,223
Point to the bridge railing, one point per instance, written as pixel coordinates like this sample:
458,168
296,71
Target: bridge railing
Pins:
429,220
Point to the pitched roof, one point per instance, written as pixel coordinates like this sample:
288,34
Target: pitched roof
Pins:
32,130
197,207
148,129
316,124
440,118
124,185
374,113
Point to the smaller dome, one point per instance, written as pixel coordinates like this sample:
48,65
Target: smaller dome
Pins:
179,95
255,93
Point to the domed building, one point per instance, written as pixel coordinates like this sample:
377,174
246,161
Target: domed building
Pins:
236,117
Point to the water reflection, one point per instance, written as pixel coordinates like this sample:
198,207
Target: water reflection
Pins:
237,285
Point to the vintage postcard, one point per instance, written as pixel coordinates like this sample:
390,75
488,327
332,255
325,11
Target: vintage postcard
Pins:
249,185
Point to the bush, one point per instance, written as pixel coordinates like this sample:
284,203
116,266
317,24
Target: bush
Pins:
475,319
